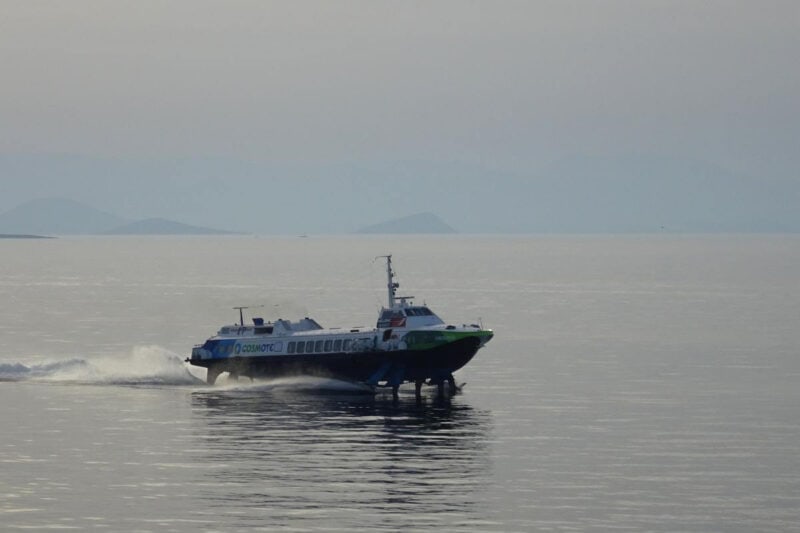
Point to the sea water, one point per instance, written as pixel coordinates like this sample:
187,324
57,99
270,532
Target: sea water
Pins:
635,383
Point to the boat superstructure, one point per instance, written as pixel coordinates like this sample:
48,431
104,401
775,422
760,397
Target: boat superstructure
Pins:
409,343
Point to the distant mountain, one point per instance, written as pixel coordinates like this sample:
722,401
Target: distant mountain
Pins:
19,236
57,216
633,193
419,223
60,216
161,226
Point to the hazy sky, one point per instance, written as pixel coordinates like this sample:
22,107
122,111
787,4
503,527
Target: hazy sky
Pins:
507,89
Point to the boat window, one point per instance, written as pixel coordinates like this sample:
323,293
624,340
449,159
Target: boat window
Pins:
328,345
426,311
290,348
309,346
337,345
300,347
318,346
384,318
347,343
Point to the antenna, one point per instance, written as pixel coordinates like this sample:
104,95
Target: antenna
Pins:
391,285
241,308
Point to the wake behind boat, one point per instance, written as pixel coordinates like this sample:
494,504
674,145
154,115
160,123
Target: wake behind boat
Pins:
409,343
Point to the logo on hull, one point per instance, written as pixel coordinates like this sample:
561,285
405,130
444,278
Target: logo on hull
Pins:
255,348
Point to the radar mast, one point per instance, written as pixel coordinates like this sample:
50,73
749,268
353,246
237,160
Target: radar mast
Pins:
391,284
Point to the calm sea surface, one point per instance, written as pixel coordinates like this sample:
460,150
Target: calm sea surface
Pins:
642,383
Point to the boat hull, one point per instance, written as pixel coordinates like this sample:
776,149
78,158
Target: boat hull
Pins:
391,368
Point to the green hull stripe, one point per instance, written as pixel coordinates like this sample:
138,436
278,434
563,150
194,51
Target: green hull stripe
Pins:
425,340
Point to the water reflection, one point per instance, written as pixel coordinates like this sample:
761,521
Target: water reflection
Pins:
337,460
